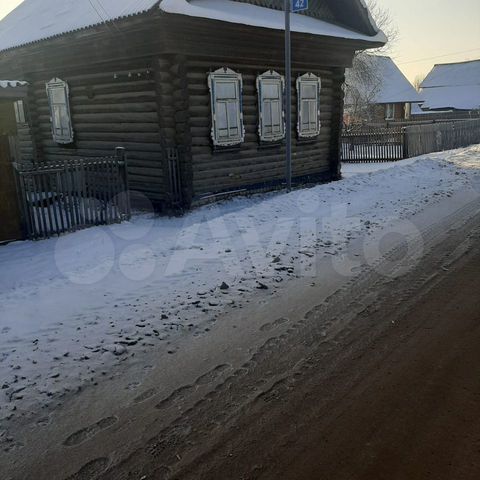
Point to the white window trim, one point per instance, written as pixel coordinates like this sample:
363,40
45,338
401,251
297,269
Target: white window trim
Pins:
57,83
20,114
390,112
308,78
213,77
270,77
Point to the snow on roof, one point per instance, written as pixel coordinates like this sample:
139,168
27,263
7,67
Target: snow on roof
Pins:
385,82
394,86
452,85
12,83
453,75
247,14
464,97
35,20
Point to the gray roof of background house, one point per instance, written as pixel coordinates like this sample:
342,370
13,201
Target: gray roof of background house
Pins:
452,85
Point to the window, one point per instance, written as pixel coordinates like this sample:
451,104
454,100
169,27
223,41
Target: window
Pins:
57,92
19,107
271,125
390,111
308,91
226,101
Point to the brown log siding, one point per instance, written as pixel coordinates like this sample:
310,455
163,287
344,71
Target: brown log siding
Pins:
110,107
252,163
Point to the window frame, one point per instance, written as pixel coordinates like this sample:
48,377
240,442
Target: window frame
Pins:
304,80
66,131
390,115
226,75
271,77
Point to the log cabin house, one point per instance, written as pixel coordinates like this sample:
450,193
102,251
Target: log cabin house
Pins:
378,92
193,89
451,90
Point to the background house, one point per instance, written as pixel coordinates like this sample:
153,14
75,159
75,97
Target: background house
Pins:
377,91
453,89
192,89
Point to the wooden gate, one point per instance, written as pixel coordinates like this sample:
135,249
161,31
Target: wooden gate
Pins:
10,222
60,197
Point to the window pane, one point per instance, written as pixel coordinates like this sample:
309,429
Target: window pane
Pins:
267,113
309,91
225,90
270,91
64,118
57,116
313,115
276,117
58,95
221,119
305,114
233,115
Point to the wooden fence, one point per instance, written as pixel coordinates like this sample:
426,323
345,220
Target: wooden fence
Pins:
66,196
373,145
367,144
437,137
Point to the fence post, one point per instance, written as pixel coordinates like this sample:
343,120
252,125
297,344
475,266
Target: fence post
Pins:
121,158
405,142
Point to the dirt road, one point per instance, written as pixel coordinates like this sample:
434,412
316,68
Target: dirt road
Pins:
395,393
374,377
401,403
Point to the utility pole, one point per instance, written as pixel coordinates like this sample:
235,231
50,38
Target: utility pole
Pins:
295,6
288,95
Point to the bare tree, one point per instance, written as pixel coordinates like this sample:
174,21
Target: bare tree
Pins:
362,80
418,81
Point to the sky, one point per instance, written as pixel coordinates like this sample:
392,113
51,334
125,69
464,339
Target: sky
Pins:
439,31
430,31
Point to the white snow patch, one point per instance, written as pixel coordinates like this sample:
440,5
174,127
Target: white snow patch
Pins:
35,20
72,308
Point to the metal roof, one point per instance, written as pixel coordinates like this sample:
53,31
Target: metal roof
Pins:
35,20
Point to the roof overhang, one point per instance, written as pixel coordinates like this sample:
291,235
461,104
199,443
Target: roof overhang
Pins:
255,16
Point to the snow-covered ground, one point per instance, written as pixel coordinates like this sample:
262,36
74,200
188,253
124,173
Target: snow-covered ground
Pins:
72,308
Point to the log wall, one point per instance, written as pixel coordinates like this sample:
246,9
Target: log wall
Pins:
253,163
143,85
110,107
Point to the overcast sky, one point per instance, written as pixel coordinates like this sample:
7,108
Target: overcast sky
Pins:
431,31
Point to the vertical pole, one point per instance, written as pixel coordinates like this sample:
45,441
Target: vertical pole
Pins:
288,95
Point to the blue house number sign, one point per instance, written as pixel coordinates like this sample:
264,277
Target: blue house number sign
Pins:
299,5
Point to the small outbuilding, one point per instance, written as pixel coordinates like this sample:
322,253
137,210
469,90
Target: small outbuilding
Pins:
193,89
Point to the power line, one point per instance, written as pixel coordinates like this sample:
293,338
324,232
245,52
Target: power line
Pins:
440,56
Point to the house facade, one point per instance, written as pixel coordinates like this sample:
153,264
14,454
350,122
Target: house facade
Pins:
194,90
378,92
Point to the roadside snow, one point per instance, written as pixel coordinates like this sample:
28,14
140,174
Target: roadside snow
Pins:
72,308
351,169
